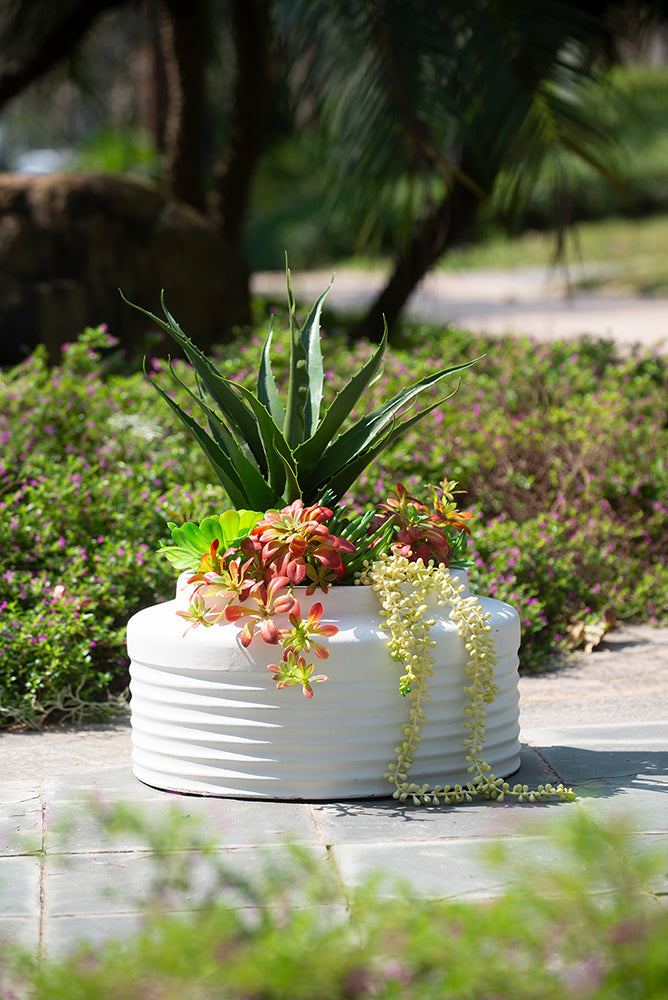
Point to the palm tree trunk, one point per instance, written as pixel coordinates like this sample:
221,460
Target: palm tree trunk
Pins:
234,171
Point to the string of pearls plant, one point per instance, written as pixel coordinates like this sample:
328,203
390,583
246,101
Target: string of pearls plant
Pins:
403,589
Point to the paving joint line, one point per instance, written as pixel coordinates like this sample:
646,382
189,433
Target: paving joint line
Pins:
546,764
41,933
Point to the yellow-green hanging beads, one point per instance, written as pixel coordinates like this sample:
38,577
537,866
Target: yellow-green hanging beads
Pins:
403,589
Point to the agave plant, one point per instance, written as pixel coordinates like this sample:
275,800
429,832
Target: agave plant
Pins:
266,453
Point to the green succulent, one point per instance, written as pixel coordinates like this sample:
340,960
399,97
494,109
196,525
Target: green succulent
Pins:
267,454
192,541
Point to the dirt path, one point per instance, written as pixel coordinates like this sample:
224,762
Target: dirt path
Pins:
536,302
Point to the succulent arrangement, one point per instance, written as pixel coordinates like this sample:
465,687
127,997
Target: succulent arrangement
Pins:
286,466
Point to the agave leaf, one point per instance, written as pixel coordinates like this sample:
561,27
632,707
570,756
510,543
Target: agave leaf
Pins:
302,409
293,488
342,406
267,392
253,478
367,430
238,451
282,468
218,428
398,430
221,390
277,479
341,479
344,477
242,494
310,337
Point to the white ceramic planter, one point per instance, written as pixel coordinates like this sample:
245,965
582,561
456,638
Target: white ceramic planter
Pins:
207,718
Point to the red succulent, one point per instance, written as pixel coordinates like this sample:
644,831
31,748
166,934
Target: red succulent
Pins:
300,638
295,534
270,602
294,669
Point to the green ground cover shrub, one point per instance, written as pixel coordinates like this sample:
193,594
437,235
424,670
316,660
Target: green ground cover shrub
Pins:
287,933
560,448
86,481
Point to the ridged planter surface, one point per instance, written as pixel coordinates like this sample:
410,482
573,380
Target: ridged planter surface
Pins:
207,718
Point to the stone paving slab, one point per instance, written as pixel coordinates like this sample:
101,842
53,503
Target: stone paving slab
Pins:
85,881
578,753
449,868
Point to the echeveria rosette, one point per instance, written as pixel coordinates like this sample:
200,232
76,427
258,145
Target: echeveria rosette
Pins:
297,534
266,453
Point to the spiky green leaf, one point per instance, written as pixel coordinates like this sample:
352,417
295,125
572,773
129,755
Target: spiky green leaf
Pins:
310,337
236,448
302,410
281,461
342,406
267,392
254,494
222,392
365,434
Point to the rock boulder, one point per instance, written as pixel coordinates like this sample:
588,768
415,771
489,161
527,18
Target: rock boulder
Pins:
69,241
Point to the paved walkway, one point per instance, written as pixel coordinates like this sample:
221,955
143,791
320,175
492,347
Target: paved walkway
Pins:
599,725
536,302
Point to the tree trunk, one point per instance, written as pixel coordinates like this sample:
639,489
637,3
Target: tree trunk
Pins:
432,236
185,42
234,171
233,174
59,41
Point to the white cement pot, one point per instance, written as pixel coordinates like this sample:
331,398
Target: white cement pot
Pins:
207,718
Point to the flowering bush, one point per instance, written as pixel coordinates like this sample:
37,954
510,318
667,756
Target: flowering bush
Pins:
83,496
560,447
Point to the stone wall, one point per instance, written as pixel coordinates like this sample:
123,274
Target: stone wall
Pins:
69,241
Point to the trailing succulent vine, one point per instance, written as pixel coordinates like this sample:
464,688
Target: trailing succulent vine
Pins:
403,589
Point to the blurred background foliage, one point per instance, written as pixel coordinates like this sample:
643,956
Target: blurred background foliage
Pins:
401,129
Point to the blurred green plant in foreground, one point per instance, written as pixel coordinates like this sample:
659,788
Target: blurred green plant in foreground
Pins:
590,925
